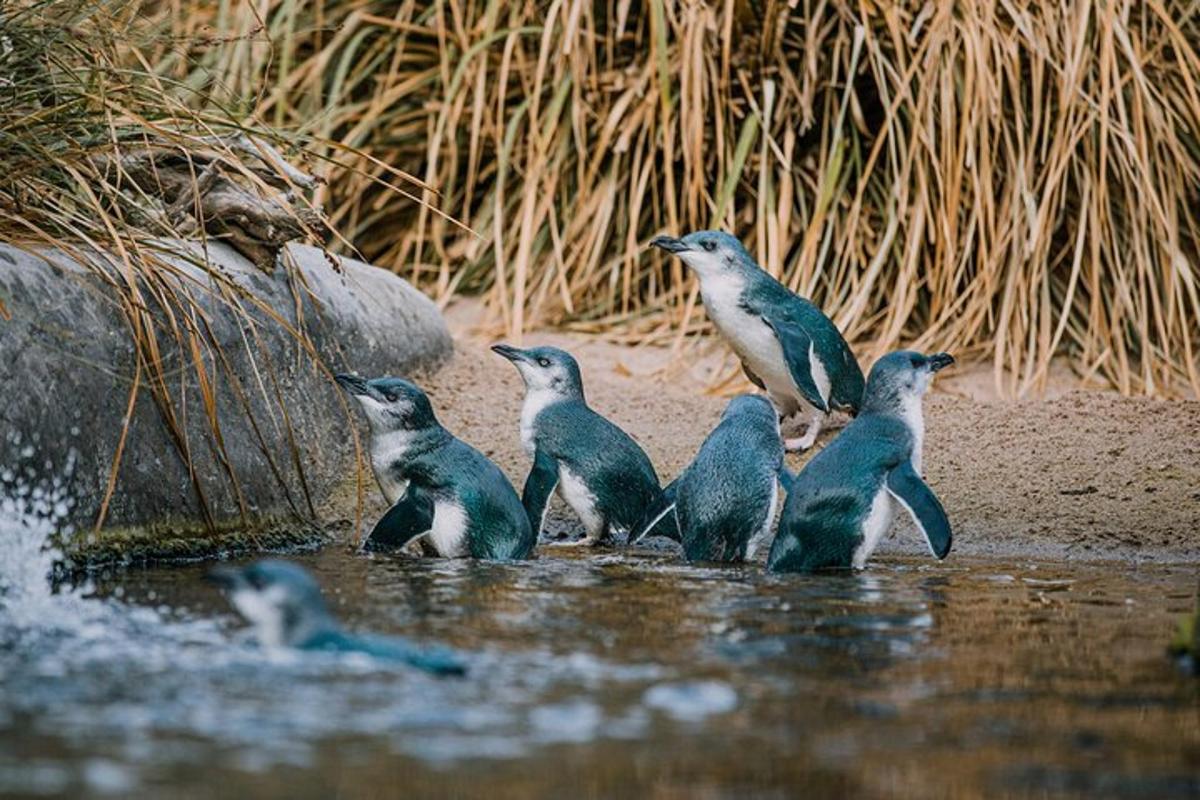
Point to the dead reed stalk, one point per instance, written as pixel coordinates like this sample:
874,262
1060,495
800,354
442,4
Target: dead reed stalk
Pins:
1012,178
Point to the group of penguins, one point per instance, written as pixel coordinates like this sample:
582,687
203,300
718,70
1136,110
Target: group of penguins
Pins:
719,509
722,507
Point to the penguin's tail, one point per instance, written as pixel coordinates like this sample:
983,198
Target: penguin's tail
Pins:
659,517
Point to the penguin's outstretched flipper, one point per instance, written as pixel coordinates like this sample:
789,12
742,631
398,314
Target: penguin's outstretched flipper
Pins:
798,352
659,519
410,517
542,480
922,504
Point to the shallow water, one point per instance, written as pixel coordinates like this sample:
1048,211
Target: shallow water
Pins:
611,675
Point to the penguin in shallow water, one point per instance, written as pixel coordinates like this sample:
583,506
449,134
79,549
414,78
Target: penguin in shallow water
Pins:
842,502
724,502
284,604
594,466
788,347
445,489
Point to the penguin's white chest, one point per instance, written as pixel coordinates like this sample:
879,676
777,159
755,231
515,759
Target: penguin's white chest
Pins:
387,451
914,417
449,531
755,343
874,526
535,403
575,492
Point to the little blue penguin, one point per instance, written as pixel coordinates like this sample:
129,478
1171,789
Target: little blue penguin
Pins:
596,467
725,501
440,486
788,347
841,504
284,604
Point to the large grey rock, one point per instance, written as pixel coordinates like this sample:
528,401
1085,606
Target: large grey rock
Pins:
284,432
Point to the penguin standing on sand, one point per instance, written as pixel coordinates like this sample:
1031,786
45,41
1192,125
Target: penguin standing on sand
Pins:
595,466
842,502
442,487
725,501
787,346
284,604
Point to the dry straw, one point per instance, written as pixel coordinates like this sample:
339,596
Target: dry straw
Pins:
77,98
1013,179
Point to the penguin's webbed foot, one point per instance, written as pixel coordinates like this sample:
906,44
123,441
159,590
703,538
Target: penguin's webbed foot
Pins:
809,438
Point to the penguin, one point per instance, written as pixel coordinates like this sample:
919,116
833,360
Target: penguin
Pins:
842,502
724,502
444,489
597,468
284,604
787,346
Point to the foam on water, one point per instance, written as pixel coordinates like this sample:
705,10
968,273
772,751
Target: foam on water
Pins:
136,687
30,515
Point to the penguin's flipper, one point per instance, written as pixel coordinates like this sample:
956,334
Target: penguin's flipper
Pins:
408,518
922,505
785,477
541,483
757,381
659,517
798,352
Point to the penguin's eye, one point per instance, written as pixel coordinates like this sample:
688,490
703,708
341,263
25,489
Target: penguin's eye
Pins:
709,245
543,362
391,398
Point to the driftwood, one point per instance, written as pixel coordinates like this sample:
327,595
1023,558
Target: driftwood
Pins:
237,189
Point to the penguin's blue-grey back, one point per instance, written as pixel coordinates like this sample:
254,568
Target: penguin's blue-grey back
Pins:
495,512
613,465
834,492
845,376
727,489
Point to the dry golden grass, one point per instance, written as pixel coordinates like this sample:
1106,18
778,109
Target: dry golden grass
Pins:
1011,179
77,97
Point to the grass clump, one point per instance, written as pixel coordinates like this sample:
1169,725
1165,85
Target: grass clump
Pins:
109,160
1011,180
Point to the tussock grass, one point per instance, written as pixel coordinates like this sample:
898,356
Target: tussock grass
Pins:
80,104
1013,180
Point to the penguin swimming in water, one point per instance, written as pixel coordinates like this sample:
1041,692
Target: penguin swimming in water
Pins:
597,468
284,604
443,488
841,504
725,501
788,347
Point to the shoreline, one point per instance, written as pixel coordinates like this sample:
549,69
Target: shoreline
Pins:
1082,475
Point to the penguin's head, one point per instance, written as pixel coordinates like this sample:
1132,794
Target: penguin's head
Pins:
707,253
752,406
901,377
545,369
280,599
391,404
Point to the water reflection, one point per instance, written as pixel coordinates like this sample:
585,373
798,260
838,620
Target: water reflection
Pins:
628,673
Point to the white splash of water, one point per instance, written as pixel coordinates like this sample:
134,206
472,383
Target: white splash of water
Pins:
30,516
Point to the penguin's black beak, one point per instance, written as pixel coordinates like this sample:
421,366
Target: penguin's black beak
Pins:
352,383
939,361
670,244
224,576
511,353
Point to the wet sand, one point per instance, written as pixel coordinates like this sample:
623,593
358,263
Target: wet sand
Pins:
1080,474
